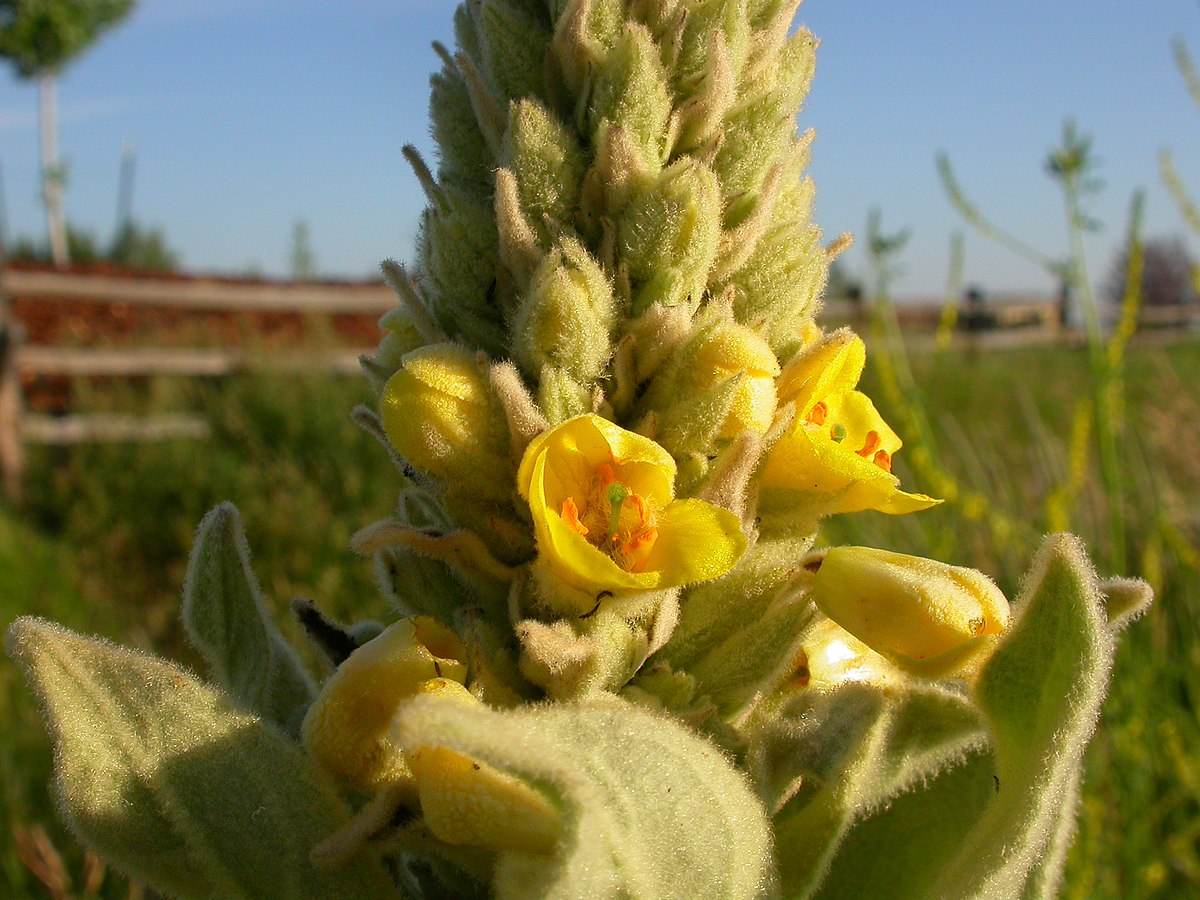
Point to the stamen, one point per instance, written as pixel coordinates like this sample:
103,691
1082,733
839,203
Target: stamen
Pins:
883,459
640,542
607,475
570,514
871,445
818,414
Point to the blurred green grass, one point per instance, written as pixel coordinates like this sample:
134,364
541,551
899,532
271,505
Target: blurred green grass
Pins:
101,546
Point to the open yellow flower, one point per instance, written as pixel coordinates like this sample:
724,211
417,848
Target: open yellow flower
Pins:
838,448
606,517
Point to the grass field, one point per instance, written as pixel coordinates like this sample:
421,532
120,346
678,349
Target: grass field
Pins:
101,546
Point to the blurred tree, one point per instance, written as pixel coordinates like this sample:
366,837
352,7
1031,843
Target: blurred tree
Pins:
134,246
1166,274
40,37
81,247
303,260
143,248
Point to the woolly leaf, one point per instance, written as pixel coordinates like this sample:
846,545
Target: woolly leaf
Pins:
1041,694
163,777
830,759
896,852
460,251
649,808
464,160
631,90
514,49
546,160
226,619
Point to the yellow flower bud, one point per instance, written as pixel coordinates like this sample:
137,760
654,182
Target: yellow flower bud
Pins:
908,608
440,414
347,727
730,349
468,802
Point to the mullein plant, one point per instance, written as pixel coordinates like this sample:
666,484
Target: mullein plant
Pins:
618,667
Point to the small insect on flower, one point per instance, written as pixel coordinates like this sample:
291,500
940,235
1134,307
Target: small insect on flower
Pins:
606,517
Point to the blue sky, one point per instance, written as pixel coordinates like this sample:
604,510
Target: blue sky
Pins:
248,115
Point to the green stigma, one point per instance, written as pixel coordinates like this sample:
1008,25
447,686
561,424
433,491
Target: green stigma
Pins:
617,493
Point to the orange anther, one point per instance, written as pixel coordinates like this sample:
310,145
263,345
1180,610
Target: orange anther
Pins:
639,544
872,444
883,459
607,474
570,514
818,414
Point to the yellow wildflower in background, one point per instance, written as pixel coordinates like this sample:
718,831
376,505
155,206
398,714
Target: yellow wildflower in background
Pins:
838,447
606,517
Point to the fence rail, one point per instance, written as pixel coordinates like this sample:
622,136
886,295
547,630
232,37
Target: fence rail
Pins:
200,294
147,361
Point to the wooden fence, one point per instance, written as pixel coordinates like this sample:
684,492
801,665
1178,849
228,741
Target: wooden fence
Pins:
88,325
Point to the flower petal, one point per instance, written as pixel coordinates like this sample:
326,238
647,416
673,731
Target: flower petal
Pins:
901,503
855,412
696,542
580,444
832,366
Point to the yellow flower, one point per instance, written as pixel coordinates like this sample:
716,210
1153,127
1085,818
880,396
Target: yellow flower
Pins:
347,727
925,615
838,448
606,517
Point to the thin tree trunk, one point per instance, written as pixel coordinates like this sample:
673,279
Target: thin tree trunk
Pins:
56,225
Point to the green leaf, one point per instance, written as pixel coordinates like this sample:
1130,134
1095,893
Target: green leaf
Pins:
227,620
897,852
1041,694
829,759
650,808
1000,825
162,776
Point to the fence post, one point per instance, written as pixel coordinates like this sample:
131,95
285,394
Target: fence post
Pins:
12,453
